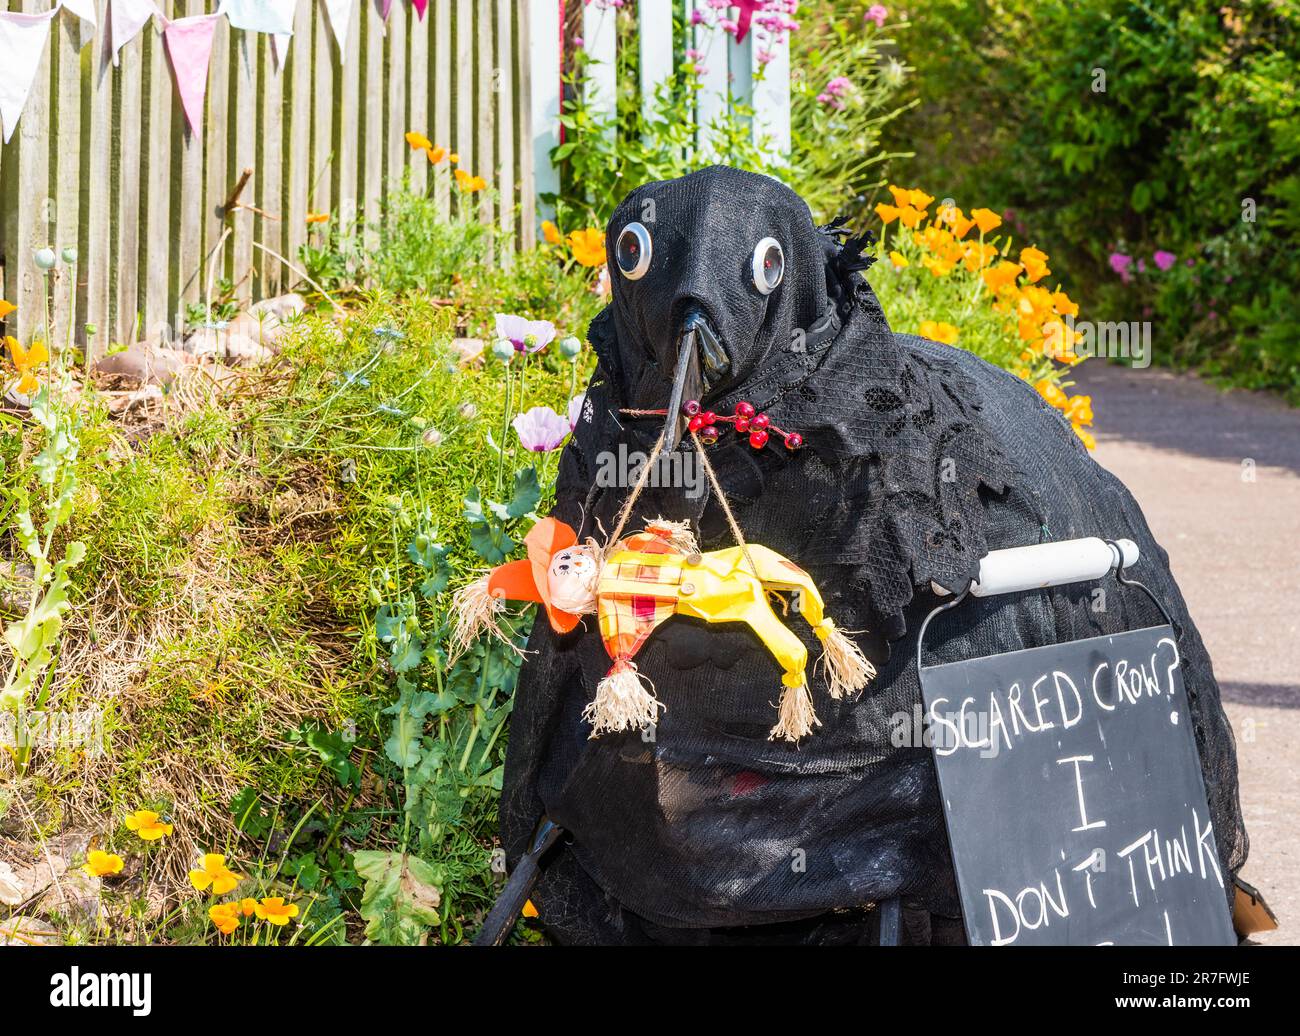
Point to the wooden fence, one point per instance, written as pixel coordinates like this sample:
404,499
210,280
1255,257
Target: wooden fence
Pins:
104,161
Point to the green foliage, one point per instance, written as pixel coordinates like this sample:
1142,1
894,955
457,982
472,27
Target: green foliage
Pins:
836,153
423,251
1132,126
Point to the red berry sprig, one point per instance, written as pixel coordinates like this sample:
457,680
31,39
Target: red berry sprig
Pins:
746,420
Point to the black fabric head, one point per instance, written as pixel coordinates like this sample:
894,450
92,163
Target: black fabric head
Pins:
701,232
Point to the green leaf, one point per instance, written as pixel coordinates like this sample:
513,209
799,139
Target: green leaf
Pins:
401,897
528,493
249,813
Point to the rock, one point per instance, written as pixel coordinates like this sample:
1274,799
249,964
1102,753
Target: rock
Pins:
265,329
146,363
27,931
22,882
75,897
242,351
206,344
469,351
281,306
11,892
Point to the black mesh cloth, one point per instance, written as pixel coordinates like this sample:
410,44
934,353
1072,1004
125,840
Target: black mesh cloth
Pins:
919,458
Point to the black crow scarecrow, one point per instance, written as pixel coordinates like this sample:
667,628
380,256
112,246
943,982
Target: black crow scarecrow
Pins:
884,465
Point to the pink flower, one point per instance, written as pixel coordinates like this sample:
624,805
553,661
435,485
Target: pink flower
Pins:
1164,260
540,429
839,86
575,408
526,335
1120,263
877,13
1142,266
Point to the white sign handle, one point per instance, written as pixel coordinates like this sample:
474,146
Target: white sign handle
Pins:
1049,564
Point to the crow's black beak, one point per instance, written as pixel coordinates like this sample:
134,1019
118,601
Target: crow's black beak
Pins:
701,361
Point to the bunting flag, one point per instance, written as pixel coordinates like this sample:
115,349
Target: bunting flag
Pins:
387,6
127,18
22,45
269,16
189,45
340,16
420,7
84,10
280,45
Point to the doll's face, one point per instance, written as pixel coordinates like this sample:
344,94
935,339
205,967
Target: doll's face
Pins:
571,580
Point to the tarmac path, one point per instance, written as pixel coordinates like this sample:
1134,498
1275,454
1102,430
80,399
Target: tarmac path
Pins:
1218,477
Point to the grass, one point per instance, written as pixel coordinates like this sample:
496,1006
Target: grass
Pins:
236,545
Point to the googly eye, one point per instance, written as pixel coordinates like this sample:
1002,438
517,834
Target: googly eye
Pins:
633,250
769,265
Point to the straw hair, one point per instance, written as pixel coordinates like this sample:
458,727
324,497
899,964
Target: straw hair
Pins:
847,668
677,533
796,717
624,701
476,611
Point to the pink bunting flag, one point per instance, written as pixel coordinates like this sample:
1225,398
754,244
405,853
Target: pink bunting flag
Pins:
387,5
420,7
22,45
189,44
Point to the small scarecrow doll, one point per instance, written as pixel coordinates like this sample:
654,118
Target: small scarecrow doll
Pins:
641,582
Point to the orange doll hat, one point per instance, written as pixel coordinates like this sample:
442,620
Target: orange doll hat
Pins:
477,604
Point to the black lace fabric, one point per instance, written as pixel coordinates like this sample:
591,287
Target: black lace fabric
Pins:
919,459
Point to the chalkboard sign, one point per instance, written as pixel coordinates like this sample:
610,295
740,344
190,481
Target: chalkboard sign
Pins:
1073,795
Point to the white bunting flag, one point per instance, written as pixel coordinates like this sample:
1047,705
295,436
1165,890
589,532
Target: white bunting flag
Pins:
22,44
127,18
340,16
269,16
85,10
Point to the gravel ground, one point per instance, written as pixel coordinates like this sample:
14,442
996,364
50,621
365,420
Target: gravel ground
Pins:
1218,477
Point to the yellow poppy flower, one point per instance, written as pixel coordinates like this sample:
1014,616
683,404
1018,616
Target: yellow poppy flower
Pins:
225,916
1051,392
1086,437
898,259
919,199
902,195
1064,305
435,154
100,864
1001,276
887,213
588,246
318,217
145,823
910,217
939,331
551,232
455,158
213,871
6,308
275,910
956,219
938,267
471,184
986,219
418,141
247,907
1035,263
26,361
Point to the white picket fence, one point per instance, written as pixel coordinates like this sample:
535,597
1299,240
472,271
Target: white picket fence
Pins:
103,159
